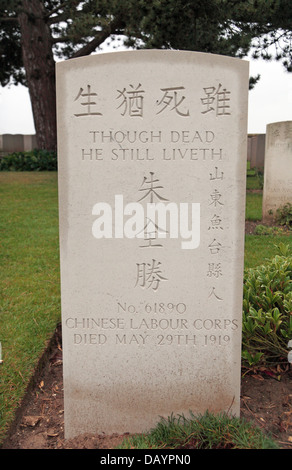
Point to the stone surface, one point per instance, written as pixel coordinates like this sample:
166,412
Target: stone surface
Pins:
278,168
151,324
256,151
10,143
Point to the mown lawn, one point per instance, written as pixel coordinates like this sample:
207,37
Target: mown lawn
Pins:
254,206
260,248
29,275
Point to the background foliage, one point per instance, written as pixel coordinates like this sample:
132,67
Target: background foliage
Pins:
267,310
35,160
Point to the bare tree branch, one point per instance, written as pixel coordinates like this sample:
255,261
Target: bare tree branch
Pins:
10,19
55,10
61,17
101,36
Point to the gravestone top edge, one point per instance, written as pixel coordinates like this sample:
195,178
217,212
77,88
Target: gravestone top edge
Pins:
143,54
278,123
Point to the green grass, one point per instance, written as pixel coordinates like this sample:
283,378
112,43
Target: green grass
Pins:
260,248
252,182
29,277
206,431
253,206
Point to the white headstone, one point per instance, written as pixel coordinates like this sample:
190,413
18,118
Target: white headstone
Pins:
151,306
278,168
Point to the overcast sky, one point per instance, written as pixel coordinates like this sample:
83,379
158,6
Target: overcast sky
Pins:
270,101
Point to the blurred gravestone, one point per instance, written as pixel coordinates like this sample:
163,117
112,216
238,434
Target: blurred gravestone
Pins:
257,151
278,168
12,143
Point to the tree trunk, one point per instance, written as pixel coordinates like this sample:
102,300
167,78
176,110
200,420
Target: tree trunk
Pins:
39,65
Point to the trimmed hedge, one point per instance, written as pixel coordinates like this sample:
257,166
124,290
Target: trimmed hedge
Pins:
34,160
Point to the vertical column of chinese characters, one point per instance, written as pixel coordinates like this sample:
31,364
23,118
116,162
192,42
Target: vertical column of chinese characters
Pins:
217,102
150,274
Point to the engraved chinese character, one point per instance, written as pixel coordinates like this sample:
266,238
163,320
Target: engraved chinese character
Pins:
149,275
216,100
151,188
216,176
216,196
214,270
288,130
215,223
88,103
276,133
171,98
214,247
151,231
132,101
213,293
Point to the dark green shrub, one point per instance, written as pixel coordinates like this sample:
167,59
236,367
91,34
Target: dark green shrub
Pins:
267,311
284,215
264,230
35,160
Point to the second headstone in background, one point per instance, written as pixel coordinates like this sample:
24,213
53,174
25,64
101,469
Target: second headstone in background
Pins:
278,169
